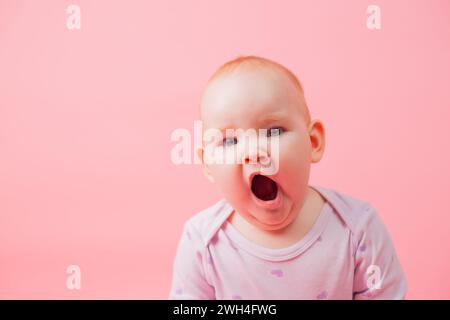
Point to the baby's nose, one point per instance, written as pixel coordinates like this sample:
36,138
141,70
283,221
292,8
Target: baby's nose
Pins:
258,156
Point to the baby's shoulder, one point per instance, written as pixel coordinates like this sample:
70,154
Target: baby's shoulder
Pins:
205,223
354,212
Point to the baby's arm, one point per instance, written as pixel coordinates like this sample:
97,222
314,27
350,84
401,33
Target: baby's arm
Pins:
189,281
378,274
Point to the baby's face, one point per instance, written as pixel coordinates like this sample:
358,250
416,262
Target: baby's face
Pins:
260,99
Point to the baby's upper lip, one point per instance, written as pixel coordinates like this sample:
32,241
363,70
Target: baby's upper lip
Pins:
254,173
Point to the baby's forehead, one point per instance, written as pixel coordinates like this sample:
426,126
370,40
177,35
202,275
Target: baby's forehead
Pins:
249,89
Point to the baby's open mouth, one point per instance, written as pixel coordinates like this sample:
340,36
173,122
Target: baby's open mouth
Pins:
264,188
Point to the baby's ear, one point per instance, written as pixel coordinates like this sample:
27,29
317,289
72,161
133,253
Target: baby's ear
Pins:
317,137
205,168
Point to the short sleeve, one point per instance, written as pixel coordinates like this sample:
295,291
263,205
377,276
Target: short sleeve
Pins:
188,278
378,273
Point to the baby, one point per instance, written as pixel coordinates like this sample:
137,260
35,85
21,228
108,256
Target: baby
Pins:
274,236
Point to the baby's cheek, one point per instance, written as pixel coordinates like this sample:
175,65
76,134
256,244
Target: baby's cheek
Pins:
294,167
228,179
294,154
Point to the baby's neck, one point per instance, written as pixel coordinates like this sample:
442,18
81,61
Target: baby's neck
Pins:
289,235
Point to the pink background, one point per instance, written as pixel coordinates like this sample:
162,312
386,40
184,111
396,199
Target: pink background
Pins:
86,117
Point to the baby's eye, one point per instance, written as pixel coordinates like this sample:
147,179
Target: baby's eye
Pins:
228,141
275,131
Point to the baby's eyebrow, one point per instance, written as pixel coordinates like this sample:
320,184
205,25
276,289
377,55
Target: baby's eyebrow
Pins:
226,127
264,120
273,117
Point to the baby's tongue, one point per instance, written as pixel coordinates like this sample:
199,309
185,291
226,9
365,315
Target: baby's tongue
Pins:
264,188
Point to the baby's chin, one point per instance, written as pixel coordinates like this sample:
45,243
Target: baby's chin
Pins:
271,220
